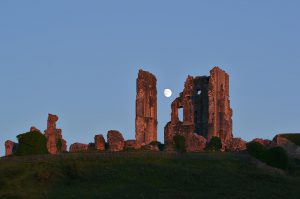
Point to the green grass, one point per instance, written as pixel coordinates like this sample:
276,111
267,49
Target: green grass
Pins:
143,175
293,137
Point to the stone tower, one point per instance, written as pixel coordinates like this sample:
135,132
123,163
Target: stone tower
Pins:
146,108
220,113
53,135
206,109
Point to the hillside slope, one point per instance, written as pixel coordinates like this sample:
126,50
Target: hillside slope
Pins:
142,175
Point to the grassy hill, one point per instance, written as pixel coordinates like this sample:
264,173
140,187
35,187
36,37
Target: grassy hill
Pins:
293,137
143,175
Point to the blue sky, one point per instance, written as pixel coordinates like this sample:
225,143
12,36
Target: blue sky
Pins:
80,59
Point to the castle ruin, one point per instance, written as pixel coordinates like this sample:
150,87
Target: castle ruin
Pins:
146,108
206,109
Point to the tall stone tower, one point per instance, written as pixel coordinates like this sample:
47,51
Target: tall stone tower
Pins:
53,135
220,113
146,108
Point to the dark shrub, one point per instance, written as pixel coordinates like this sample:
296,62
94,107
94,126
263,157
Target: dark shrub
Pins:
59,145
159,144
106,146
293,137
32,143
256,149
92,147
276,157
179,143
215,144
154,143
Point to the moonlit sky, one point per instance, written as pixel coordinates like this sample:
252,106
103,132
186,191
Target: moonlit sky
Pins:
80,60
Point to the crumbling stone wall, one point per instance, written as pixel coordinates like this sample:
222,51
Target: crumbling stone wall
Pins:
220,113
10,147
146,108
78,147
206,110
115,140
53,135
99,142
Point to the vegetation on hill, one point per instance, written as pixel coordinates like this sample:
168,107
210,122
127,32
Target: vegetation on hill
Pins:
275,157
256,149
215,144
59,145
158,144
142,175
293,137
31,143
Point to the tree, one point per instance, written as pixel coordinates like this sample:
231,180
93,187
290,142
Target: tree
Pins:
31,143
275,157
59,145
158,144
256,149
215,144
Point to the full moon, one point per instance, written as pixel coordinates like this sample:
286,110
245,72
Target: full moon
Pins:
168,92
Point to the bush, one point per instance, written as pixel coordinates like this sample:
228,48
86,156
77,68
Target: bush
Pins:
276,157
161,146
179,143
256,149
59,145
158,144
293,137
31,143
154,143
106,146
92,147
215,144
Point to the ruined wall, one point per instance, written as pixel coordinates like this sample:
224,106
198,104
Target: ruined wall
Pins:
10,147
146,108
78,147
220,113
200,102
194,101
115,140
99,142
53,135
206,110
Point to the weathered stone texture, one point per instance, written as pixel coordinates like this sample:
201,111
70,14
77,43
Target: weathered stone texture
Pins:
235,145
131,144
10,147
64,145
195,143
220,113
53,135
115,141
78,147
264,142
150,147
99,142
146,108
168,137
206,110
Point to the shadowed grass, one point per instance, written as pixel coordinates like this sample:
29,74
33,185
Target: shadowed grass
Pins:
142,175
293,137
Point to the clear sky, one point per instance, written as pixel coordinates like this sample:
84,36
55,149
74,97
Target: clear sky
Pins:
80,59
